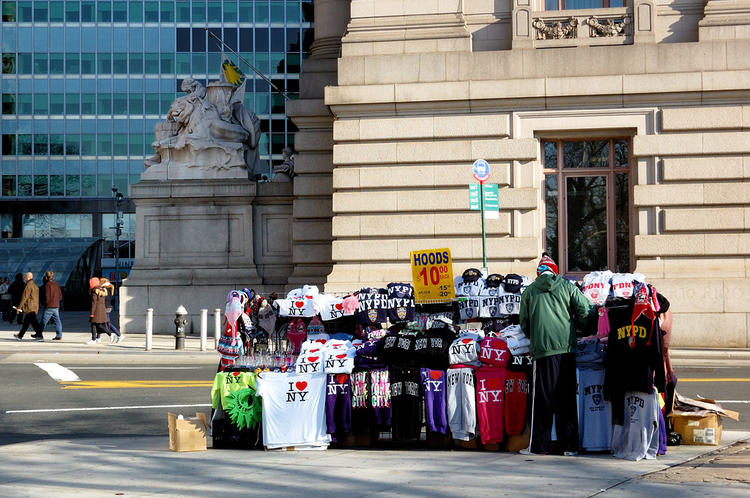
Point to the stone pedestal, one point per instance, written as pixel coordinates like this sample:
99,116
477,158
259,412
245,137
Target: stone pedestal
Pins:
725,20
194,242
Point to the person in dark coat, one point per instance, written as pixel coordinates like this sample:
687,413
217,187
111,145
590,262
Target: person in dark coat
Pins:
15,289
29,306
98,313
50,296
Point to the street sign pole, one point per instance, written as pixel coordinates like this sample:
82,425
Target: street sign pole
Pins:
484,235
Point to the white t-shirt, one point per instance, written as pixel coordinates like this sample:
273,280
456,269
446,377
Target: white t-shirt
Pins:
596,286
489,305
306,291
468,288
331,307
310,362
622,283
296,307
293,409
509,303
465,350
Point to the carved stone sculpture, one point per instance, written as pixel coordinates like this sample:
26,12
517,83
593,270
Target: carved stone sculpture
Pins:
208,133
284,172
608,27
557,30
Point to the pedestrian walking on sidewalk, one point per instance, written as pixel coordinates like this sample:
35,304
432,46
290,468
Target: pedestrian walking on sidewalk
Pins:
5,299
15,289
109,301
50,294
29,306
550,308
98,313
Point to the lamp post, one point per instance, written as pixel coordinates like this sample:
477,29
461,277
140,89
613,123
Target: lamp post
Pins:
117,196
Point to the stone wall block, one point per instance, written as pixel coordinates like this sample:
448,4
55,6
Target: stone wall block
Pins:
346,226
346,130
346,178
703,295
364,153
397,176
430,200
312,230
703,168
497,125
701,118
443,151
432,92
518,198
690,267
710,330
319,207
669,245
684,194
386,69
396,128
726,193
703,219
363,202
313,185
508,149
736,292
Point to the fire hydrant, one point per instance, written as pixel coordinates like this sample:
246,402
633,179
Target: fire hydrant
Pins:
179,324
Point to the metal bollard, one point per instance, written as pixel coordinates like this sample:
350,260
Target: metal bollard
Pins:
149,328
204,328
217,327
179,324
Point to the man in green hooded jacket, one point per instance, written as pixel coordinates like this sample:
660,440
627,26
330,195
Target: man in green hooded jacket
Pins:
550,308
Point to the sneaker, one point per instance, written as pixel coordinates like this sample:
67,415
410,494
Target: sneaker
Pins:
570,453
18,337
91,341
120,338
57,338
525,451
39,339
98,340
35,336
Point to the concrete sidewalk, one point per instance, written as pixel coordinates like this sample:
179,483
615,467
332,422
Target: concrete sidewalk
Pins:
145,467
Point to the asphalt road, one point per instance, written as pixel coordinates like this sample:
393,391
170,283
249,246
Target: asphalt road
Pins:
35,406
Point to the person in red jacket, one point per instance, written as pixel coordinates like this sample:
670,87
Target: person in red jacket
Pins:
51,295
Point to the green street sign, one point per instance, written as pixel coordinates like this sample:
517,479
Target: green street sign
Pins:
491,197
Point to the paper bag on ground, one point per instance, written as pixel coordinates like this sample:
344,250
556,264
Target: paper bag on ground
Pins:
187,434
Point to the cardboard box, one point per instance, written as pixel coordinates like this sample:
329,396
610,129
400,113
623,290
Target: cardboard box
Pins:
188,433
698,429
515,444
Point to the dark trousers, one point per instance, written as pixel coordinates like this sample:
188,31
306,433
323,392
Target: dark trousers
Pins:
30,319
555,394
97,329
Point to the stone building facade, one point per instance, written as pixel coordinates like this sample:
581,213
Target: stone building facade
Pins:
617,136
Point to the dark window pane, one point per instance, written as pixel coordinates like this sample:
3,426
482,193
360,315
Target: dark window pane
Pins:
167,11
183,11
151,63
25,63
104,144
246,40
104,12
136,11
120,103
105,63
121,144
88,103
167,63
151,12
292,40
72,144
307,39
230,12
57,185
72,103
88,11
41,146
104,104
136,63
230,37
41,186
9,185
24,185
199,40
213,44
24,145
40,12
88,185
277,40
25,12
292,63
199,12
622,223
621,153
183,39
72,185
120,63
550,155
9,103
307,11
56,11
88,144
261,40
245,12
214,12
72,63
88,63
590,154
119,11
136,103
551,229
587,223
9,63
9,145
40,63
9,11
56,64
56,145
72,12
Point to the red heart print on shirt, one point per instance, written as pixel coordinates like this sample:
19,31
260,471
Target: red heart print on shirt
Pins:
341,378
340,356
466,341
236,374
299,304
301,385
308,297
321,341
312,359
436,374
493,383
339,306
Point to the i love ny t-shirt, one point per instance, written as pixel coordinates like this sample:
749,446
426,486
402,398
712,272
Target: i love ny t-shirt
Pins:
293,409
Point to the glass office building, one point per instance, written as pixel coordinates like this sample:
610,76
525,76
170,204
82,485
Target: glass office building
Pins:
84,83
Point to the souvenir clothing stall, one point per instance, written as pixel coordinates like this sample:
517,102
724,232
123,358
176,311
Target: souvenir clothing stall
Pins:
310,369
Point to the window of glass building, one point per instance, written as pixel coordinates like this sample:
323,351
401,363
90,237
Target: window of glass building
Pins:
56,11
135,12
72,11
9,103
9,145
9,185
9,11
587,204
25,12
183,12
45,225
40,12
9,63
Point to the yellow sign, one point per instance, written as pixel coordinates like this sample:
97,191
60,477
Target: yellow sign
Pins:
432,275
